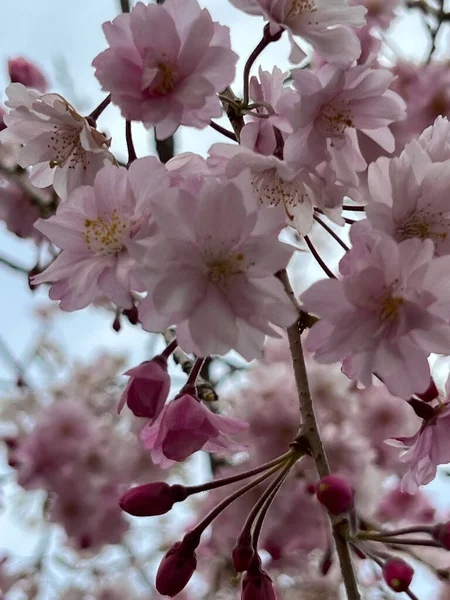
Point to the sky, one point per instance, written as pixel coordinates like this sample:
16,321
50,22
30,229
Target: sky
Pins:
63,38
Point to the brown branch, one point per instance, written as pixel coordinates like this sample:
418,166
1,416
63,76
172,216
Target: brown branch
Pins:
310,430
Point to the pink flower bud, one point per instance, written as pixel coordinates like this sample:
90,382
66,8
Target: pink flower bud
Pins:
242,554
24,72
152,499
177,567
336,494
148,388
257,585
441,533
397,574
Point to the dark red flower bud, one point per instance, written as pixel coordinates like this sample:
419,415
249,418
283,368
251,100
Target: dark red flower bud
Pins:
24,72
327,561
132,315
336,494
397,574
430,394
242,554
441,533
152,499
147,390
257,585
422,409
177,567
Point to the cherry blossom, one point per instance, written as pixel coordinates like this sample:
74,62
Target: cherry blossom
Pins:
384,318
411,197
336,105
165,65
25,72
185,426
212,272
93,229
61,146
325,24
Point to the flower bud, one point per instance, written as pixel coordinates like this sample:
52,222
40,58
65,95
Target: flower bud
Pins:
242,554
148,388
397,574
336,494
152,499
176,568
24,72
257,585
441,533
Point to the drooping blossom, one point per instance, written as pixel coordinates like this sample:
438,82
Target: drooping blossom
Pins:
325,24
165,65
258,133
273,181
61,147
426,449
185,426
18,210
386,317
148,388
335,107
23,71
212,271
410,196
93,229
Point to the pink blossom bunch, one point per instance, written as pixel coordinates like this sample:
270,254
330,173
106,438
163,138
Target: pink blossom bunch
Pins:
165,65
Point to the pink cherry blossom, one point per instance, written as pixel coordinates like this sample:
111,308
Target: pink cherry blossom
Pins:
411,197
325,24
384,318
259,134
93,229
18,210
212,271
427,449
25,72
185,426
436,140
165,65
60,145
274,182
335,106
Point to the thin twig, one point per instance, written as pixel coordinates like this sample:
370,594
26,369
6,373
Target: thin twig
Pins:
125,6
310,430
333,234
100,108
13,265
229,134
130,146
316,255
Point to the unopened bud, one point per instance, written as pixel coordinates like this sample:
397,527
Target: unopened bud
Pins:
24,72
397,574
147,389
242,554
176,568
257,585
336,494
152,499
441,533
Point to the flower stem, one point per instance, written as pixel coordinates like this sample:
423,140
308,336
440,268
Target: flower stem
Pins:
311,431
195,489
267,39
333,234
229,134
131,151
195,371
318,258
170,348
100,108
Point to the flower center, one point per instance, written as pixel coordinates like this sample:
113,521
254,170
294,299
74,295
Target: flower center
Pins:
166,80
420,226
271,189
105,236
390,308
334,120
66,145
298,6
219,269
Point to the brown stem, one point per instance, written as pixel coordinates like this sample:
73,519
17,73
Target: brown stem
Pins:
310,430
130,146
229,134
